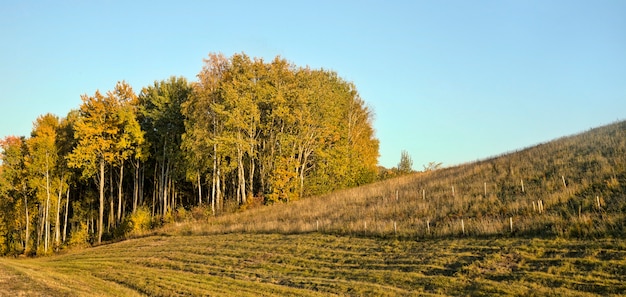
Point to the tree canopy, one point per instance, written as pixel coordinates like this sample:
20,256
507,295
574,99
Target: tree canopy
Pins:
246,129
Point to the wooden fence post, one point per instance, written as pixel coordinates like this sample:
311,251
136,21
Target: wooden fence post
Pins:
485,186
463,226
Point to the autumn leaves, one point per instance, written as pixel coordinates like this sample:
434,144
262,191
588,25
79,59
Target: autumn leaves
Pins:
246,128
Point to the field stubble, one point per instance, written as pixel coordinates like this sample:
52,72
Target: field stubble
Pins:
317,264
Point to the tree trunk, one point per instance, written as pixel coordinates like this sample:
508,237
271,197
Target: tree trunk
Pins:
111,219
241,177
67,209
47,211
251,175
141,182
165,187
119,193
221,184
155,190
199,189
57,222
162,183
214,179
136,186
101,186
251,172
27,225
41,225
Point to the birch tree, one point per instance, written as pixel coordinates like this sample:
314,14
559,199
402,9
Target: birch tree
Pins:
96,130
204,122
41,164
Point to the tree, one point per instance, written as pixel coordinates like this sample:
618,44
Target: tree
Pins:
107,134
406,163
41,165
65,143
277,130
432,166
15,213
204,124
95,130
241,118
164,123
245,129
130,139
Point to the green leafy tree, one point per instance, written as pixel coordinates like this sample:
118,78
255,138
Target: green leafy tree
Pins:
204,123
406,163
162,119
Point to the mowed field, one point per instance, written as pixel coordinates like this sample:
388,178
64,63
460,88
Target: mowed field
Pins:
316,264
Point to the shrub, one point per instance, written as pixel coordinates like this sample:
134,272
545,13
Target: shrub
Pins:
201,213
140,221
80,236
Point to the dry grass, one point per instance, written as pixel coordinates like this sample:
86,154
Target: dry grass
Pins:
324,265
406,236
486,199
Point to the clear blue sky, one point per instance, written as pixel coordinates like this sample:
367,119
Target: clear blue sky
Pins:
450,81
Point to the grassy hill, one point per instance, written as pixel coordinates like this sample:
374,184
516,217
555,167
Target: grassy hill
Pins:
472,229
573,187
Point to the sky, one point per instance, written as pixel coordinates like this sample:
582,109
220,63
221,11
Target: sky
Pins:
449,81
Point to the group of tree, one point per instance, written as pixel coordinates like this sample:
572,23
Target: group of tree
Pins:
245,129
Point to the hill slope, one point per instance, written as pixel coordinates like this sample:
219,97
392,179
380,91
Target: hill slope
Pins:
446,232
571,187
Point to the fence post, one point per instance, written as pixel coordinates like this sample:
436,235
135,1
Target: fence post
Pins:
485,186
463,226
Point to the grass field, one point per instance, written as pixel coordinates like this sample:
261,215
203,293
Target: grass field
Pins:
549,220
315,264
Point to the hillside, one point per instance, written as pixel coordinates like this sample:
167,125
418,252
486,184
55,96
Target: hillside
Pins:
472,229
572,187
